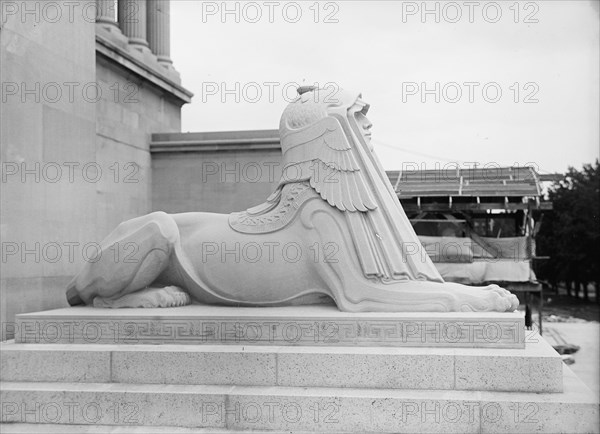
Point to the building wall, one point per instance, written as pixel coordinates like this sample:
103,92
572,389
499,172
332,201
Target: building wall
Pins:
126,120
42,131
76,164
214,172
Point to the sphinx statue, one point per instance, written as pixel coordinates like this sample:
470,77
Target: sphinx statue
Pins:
332,229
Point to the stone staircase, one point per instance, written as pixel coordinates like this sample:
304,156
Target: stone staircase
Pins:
199,369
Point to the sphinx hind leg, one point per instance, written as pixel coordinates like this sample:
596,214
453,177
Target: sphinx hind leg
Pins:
130,259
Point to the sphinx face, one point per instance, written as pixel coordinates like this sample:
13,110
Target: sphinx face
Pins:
357,116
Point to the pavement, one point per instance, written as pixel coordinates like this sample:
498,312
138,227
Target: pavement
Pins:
587,359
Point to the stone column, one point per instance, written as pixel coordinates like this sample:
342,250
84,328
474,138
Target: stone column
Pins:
106,22
106,12
159,30
132,20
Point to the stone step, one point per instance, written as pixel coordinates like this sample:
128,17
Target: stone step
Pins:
36,428
537,368
317,325
302,408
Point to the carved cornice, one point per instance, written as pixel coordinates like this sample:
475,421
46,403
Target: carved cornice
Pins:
257,140
121,57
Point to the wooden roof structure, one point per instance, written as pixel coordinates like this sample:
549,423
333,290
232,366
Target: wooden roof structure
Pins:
509,188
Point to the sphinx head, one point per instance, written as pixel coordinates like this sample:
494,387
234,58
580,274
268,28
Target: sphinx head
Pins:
326,140
313,105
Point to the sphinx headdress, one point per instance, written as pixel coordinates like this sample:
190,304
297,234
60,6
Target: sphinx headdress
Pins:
316,148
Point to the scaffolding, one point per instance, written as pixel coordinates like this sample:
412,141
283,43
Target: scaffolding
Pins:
478,224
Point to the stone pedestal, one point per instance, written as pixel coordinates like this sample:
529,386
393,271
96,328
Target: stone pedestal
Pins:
309,368
316,325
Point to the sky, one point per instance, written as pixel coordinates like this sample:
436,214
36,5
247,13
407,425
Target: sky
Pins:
449,83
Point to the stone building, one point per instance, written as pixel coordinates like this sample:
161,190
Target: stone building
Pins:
84,86
214,171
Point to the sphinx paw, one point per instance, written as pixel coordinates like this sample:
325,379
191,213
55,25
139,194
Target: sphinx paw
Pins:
168,296
491,298
505,301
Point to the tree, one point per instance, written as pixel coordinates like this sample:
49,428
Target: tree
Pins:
570,234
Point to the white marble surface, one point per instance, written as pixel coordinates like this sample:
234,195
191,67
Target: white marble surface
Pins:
538,368
35,428
319,409
314,325
311,311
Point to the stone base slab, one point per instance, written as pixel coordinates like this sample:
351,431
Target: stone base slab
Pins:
537,368
320,409
35,428
317,325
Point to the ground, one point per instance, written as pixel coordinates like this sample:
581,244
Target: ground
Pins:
571,320
563,306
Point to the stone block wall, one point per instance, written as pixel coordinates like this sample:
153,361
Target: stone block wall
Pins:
47,133
217,172
78,112
134,107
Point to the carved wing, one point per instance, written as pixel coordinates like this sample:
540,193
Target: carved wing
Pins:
322,155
